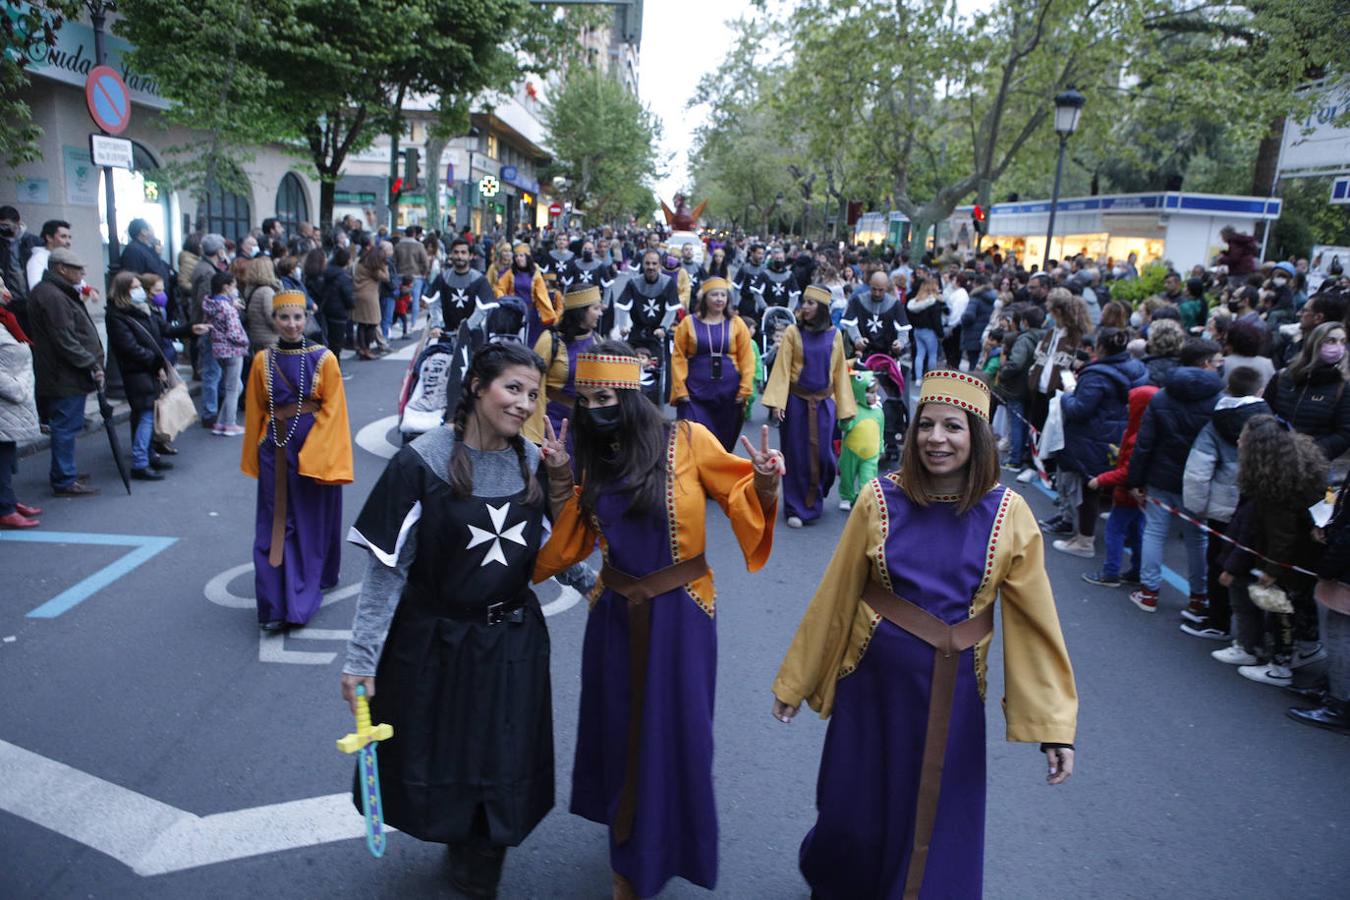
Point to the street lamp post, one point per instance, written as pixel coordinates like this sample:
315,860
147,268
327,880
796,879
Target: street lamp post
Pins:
1068,107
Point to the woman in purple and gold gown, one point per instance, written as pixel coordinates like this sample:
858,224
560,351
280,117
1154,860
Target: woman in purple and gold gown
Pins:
712,365
808,389
298,444
901,793
649,660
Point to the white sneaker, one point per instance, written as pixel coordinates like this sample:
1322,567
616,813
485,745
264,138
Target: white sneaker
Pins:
1235,655
1271,673
794,522
1027,477
845,505
1307,652
1076,546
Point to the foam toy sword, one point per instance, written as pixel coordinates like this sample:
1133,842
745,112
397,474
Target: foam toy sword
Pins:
363,741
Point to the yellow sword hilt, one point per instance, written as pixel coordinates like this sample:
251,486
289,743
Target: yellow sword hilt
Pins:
365,732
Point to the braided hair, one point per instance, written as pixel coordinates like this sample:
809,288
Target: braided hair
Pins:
487,365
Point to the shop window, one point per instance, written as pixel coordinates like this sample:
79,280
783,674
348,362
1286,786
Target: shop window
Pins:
226,213
292,203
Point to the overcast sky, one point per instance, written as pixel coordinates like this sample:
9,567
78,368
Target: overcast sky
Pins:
681,40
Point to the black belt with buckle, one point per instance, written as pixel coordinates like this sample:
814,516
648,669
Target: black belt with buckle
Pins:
493,614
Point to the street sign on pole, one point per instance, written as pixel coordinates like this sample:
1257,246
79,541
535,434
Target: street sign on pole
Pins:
555,209
109,101
113,152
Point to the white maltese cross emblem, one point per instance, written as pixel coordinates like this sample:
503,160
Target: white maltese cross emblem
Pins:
516,534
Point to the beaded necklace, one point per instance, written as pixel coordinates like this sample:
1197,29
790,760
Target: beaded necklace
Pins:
271,400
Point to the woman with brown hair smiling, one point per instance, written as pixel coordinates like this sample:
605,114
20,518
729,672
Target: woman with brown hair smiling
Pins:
895,645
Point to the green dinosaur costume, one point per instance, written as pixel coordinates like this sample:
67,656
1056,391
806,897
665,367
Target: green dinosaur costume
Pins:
862,439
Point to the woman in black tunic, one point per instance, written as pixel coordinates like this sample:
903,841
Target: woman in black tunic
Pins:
453,526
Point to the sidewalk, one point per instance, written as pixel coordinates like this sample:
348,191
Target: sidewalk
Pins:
94,422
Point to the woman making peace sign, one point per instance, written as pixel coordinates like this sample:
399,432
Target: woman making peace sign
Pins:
644,748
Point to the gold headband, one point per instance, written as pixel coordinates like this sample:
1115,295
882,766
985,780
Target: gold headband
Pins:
596,370
956,389
714,284
581,297
817,293
287,298
522,248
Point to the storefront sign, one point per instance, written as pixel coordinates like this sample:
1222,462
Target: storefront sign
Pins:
509,174
81,176
111,151
72,58
1316,143
1340,190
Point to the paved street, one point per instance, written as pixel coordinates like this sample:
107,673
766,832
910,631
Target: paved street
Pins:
153,745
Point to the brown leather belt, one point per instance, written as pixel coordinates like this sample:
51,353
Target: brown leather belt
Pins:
813,400
638,591
281,418
558,395
948,642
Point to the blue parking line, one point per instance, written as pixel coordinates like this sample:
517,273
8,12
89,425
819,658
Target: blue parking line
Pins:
144,548
1172,578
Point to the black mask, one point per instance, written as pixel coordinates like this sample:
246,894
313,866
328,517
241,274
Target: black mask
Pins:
587,255
776,265
604,420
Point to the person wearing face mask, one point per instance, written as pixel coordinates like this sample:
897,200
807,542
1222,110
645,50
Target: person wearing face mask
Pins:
297,444
1310,393
893,650
649,657
134,337
588,269
775,285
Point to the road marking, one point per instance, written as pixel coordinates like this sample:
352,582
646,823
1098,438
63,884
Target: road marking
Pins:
568,597
403,354
374,438
272,646
218,591
145,548
154,838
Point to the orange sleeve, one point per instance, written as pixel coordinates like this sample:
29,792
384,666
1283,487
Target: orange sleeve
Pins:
503,285
327,454
572,541
682,347
745,358
255,414
543,302
730,480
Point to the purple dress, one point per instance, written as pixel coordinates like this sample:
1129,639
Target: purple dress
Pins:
293,591
817,355
534,326
712,399
867,792
675,829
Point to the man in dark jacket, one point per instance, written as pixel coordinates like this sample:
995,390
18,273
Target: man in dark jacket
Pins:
68,362
139,254
1174,418
976,318
337,301
1013,387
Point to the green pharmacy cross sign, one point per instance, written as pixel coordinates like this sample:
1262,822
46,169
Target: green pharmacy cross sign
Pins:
488,186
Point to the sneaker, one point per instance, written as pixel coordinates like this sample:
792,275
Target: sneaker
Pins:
233,430
1306,653
1235,655
845,505
1101,578
1205,631
1055,525
219,429
794,522
1027,477
1078,545
1196,610
1145,599
1270,673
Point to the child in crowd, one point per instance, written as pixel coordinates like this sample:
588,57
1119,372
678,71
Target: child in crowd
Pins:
1125,524
1209,490
403,303
1280,474
229,343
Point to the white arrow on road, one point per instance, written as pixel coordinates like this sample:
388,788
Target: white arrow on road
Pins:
154,838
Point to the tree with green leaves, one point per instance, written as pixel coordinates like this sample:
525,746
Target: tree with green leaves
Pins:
326,77
604,144
29,32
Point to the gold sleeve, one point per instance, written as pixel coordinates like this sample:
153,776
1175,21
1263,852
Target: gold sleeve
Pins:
816,655
327,452
683,346
841,381
741,347
1041,700
255,413
534,426
786,367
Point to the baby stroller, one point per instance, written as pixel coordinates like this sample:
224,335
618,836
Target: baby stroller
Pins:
774,320
894,403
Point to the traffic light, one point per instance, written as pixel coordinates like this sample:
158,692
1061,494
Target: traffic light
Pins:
396,190
411,175
977,217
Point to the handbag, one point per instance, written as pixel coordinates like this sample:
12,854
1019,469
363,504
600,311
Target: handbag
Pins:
174,409
1271,599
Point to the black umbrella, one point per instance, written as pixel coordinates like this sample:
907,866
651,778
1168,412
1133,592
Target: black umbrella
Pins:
106,411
